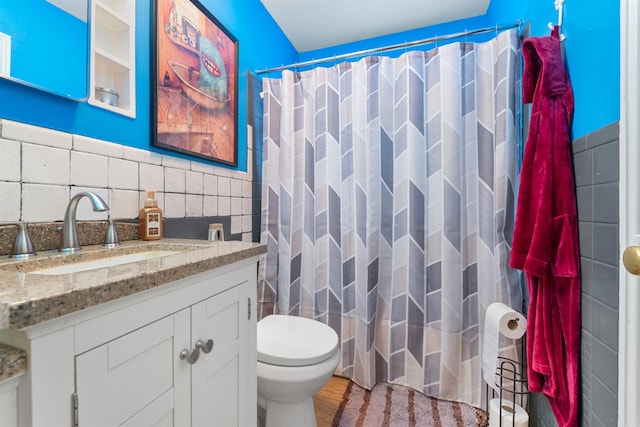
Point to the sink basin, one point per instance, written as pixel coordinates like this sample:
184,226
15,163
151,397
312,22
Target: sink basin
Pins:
53,263
103,262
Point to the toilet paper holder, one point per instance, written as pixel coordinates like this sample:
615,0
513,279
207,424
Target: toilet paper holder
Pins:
512,391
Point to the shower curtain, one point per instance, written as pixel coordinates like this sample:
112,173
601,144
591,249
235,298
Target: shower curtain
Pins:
388,208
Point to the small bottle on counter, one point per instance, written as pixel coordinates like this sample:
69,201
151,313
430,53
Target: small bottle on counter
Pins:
150,218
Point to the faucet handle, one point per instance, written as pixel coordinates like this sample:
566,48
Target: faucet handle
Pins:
22,246
111,240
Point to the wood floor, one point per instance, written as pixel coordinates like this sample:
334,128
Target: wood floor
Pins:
327,401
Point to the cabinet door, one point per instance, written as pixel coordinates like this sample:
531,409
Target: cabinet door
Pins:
130,380
220,378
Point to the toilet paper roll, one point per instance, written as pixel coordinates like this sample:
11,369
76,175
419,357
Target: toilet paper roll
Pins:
509,418
499,320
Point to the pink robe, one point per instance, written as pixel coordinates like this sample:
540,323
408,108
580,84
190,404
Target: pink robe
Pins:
545,240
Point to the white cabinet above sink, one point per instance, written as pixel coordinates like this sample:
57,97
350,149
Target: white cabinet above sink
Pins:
112,56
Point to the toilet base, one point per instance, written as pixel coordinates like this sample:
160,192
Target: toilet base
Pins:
298,414
286,385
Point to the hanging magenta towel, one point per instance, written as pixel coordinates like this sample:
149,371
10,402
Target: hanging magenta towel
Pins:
545,240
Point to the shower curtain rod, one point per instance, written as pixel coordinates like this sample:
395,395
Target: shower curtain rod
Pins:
405,45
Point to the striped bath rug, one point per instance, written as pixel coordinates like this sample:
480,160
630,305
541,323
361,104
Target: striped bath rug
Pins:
393,405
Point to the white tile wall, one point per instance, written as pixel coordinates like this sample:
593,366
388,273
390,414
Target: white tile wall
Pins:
42,136
223,172
247,205
224,206
174,205
194,206
151,177
210,185
89,169
194,182
246,223
44,202
236,206
45,165
123,174
142,156
236,187
247,189
97,146
224,186
40,169
9,160
124,204
10,205
203,167
210,207
236,224
174,180
176,162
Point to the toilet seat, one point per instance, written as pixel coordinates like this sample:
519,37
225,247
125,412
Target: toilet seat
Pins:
294,341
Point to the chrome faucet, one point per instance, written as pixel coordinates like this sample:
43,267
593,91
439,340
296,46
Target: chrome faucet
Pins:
22,246
111,239
69,228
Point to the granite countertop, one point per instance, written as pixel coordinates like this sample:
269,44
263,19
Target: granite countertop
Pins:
27,299
13,361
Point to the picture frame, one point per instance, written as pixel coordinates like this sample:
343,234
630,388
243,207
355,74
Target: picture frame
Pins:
194,69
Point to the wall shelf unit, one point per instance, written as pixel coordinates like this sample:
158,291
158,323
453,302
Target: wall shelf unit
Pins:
113,55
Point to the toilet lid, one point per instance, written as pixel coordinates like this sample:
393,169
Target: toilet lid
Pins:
294,341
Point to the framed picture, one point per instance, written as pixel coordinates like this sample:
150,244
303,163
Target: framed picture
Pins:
194,89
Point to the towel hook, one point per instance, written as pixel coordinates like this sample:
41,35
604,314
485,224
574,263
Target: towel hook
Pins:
559,5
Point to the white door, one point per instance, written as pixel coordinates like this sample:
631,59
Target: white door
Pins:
219,379
129,381
628,372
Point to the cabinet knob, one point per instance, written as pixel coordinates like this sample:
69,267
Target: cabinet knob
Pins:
205,346
190,356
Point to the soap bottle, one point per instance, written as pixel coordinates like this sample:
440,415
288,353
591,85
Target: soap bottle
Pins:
150,218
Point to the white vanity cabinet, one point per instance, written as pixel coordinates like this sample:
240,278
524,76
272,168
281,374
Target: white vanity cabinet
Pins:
131,362
9,402
130,380
139,379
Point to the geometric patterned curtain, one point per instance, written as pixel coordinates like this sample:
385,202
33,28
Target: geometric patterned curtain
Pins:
388,208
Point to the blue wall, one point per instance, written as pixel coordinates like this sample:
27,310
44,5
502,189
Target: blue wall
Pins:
261,44
592,51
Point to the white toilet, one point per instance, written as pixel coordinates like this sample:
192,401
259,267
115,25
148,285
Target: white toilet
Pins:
296,357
